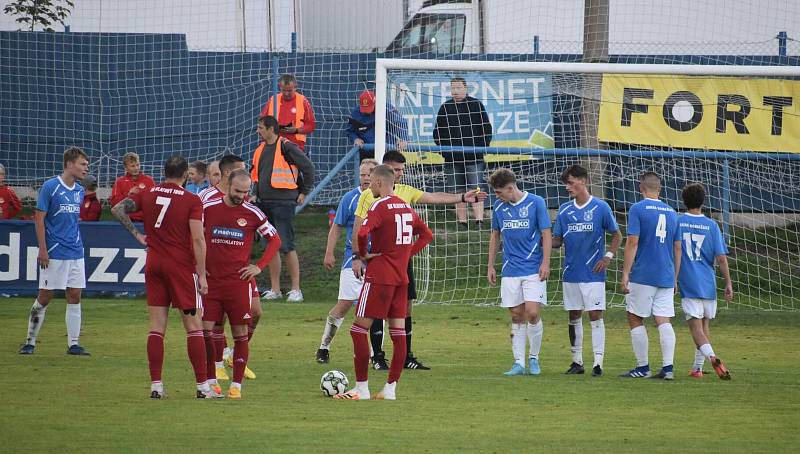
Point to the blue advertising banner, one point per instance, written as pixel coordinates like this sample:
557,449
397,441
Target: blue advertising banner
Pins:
114,260
519,105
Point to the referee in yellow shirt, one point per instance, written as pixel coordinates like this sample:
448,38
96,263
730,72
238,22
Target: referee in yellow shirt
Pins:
411,195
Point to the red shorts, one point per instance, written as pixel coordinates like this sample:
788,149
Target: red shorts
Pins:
167,285
231,299
382,301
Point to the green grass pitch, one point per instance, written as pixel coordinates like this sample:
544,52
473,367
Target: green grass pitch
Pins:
53,402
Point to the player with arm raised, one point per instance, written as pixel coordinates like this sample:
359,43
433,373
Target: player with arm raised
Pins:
230,227
410,195
175,269
61,265
581,226
702,245
349,285
222,354
652,258
520,219
391,225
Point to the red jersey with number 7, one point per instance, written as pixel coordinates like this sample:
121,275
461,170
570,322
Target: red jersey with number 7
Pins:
166,210
391,225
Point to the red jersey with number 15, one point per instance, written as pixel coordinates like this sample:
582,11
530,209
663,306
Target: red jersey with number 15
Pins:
230,231
166,210
390,225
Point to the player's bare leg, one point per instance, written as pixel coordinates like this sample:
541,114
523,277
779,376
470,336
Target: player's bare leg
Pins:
332,324
274,277
575,330
196,348
359,332
598,341
241,353
36,320
293,266
699,330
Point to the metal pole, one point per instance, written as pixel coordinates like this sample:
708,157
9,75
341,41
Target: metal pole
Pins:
275,88
595,50
535,47
726,200
782,38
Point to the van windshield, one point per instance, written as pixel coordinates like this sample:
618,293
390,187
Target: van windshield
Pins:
431,33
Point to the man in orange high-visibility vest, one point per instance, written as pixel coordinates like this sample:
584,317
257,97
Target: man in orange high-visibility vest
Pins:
283,176
295,114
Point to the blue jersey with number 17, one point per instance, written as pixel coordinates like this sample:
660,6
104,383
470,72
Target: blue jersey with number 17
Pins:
656,225
62,206
701,245
520,225
345,215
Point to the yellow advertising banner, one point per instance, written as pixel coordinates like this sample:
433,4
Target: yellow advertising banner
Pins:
717,113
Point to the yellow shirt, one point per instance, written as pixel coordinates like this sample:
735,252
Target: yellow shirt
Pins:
409,194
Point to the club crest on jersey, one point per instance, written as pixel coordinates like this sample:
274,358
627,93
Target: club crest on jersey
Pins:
523,212
587,216
227,232
77,197
141,185
242,222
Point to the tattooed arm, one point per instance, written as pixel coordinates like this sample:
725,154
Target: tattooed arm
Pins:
120,211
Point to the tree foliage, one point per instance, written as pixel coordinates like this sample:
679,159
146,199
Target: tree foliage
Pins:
41,13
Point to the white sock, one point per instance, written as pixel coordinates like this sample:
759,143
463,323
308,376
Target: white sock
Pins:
518,343
157,386
535,333
706,351
219,364
204,387
212,381
667,336
389,391
699,360
73,319
332,324
640,345
35,321
576,340
236,385
362,387
598,341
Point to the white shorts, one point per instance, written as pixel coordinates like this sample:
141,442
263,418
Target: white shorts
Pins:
699,308
516,290
646,300
349,286
62,274
585,296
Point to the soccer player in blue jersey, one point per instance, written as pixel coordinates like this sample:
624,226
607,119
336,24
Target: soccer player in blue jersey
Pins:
520,219
702,245
60,257
581,226
349,284
652,258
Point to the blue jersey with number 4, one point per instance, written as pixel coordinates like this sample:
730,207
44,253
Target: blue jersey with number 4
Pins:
701,244
345,215
583,230
62,207
520,225
656,225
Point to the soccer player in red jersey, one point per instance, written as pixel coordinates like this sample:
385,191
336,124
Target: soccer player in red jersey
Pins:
230,226
391,225
222,354
175,270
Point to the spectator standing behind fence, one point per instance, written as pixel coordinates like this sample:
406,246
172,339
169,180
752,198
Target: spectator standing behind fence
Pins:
283,176
462,122
90,208
361,126
9,202
197,177
131,183
295,114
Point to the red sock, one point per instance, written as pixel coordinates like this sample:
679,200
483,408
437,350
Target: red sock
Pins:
251,328
196,347
241,351
211,370
155,354
360,337
218,336
398,353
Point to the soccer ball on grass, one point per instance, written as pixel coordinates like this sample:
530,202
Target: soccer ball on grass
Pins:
333,382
